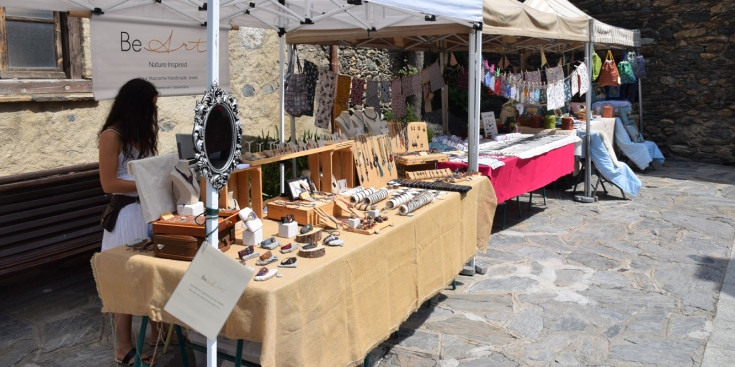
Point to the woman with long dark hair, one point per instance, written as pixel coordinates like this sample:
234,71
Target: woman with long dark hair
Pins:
130,132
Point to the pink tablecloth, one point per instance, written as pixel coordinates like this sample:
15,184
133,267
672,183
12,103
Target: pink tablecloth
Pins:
519,176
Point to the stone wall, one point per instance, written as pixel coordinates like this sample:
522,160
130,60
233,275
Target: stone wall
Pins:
37,136
688,99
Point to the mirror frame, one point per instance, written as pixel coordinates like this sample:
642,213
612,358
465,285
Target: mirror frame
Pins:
213,97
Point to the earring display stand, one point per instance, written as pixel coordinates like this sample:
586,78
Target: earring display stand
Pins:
411,143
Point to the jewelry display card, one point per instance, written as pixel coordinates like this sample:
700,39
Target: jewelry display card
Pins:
208,291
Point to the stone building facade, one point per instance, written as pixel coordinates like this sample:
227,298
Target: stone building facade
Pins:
37,135
688,99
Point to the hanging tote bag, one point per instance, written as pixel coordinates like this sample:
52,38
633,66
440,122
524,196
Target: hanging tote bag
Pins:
641,66
631,57
596,65
625,70
296,98
609,72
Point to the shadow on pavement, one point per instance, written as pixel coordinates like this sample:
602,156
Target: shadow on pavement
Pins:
713,269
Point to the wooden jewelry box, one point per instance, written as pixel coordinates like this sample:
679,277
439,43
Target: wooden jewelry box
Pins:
180,237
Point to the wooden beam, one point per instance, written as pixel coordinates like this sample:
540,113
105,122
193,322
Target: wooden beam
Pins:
45,86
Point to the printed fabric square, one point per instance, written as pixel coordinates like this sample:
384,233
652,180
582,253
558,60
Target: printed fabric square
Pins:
406,85
533,76
574,78
311,72
385,91
436,81
398,100
371,95
358,87
463,80
327,89
584,79
343,94
554,74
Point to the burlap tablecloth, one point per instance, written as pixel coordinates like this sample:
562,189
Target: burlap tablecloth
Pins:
333,310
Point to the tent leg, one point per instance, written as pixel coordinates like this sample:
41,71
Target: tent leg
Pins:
282,96
587,198
640,105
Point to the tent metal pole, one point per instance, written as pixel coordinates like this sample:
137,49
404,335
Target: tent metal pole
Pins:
443,61
212,195
471,136
640,105
293,124
282,102
587,197
476,82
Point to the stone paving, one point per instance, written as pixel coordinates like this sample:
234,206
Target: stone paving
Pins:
613,283
637,282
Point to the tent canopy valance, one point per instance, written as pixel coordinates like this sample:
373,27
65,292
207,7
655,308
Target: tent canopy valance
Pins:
290,16
602,32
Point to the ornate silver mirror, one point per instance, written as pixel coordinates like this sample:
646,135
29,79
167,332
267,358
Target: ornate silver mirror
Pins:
217,136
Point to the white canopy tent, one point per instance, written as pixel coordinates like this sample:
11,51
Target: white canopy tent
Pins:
418,24
600,33
283,17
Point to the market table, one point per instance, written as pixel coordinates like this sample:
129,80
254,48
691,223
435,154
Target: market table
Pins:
518,176
330,311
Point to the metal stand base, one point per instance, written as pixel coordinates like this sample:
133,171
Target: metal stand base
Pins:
584,199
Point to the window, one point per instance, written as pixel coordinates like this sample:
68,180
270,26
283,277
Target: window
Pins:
40,55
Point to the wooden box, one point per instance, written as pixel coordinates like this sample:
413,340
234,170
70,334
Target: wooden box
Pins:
303,213
182,247
419,162
181,235
189,225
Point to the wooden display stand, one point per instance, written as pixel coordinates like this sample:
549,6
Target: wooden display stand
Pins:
324,162
429,174
410,138
365,151
418,139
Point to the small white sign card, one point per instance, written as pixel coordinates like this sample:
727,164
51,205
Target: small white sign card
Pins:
488,124
208,291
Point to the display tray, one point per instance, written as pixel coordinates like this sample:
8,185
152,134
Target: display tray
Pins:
379,226
429,174
186,225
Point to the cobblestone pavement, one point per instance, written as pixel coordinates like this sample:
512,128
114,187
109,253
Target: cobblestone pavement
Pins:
640,282
613,283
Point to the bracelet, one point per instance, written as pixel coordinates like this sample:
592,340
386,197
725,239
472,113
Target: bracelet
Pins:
358,197
375,197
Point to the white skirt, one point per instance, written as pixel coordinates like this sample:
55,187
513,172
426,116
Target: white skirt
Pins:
129,226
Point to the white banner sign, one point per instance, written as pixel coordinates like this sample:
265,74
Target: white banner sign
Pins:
171,55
